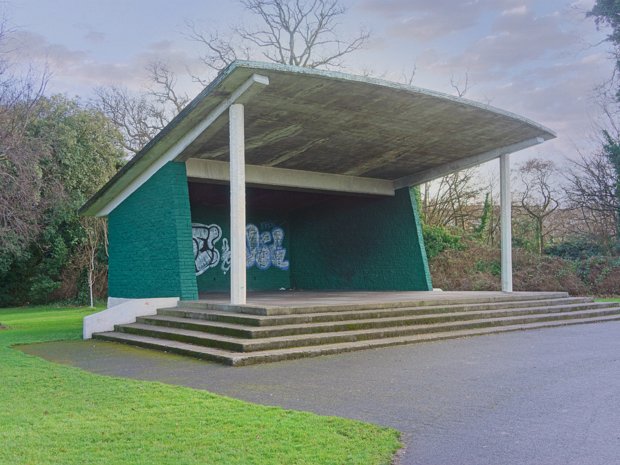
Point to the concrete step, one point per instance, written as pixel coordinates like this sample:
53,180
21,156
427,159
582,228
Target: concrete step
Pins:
340,307
343,315
207,353
270,343
239,359
361,322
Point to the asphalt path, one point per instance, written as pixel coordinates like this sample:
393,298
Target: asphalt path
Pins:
539,397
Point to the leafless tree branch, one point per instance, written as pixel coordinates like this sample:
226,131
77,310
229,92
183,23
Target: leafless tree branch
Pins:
461,88
409,75
140,116
293,32
539,197
449,200
21,179
163,86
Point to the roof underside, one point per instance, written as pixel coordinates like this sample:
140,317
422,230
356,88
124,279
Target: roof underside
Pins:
335,123
316,123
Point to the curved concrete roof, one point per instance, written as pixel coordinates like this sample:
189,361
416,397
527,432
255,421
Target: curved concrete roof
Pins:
336,123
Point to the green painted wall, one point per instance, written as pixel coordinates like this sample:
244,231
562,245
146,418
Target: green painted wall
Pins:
151,240
359,244
215,279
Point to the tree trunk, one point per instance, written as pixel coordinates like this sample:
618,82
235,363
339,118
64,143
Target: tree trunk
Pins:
539,233
91,275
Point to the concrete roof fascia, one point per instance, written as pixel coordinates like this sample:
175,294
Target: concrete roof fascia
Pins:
148,154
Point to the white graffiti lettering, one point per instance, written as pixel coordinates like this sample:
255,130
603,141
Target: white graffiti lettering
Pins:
225,256
264,249
204,239
252,243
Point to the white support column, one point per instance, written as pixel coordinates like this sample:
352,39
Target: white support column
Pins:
506,221
237,206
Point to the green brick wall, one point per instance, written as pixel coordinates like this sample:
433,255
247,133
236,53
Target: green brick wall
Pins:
151,240
214,279
363,244
346,243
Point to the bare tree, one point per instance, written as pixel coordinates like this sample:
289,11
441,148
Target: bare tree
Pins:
140,116
409,74
134,115
539,198
293,32
593,187
21,179
449,201
461,87
591,191
220,49
163,88
96,236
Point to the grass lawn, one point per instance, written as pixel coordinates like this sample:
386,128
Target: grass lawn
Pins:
55,414
609,299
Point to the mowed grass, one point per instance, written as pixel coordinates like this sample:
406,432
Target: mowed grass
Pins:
55,414
608,299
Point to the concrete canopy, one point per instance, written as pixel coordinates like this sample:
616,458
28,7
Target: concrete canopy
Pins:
335,124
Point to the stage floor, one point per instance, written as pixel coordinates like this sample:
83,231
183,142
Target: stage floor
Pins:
318,298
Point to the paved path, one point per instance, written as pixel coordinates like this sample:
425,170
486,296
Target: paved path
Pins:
542,397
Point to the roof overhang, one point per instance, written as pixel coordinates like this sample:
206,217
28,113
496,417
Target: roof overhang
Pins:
340,129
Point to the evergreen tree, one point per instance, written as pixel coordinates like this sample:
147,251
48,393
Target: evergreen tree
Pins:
482,229
82,151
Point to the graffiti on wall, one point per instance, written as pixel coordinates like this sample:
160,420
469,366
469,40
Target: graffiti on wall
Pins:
264,248
206,254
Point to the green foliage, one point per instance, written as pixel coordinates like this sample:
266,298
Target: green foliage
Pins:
575,249
54,414
417,195
607,13
437,239
83,153
524,233
84,145
597,268
493,267
482,229
611,149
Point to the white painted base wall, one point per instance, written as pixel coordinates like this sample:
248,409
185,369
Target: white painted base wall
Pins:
123,311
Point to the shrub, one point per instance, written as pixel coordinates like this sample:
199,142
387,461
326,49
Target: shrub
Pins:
575,249
476,267
437,239
601,274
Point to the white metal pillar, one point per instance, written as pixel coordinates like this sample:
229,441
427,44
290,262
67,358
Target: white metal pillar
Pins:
237,206
506,221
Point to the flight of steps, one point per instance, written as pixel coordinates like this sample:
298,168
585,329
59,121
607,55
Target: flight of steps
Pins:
244,335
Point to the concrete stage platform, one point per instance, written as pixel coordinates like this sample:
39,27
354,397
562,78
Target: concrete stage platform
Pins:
335,298
275,326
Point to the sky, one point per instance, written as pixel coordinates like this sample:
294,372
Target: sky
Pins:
539,59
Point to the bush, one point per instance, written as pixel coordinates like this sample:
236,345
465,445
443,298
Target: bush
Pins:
476,267
42,287
437,239
601,274
575,249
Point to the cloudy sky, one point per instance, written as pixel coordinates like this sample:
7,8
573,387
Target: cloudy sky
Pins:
535,58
